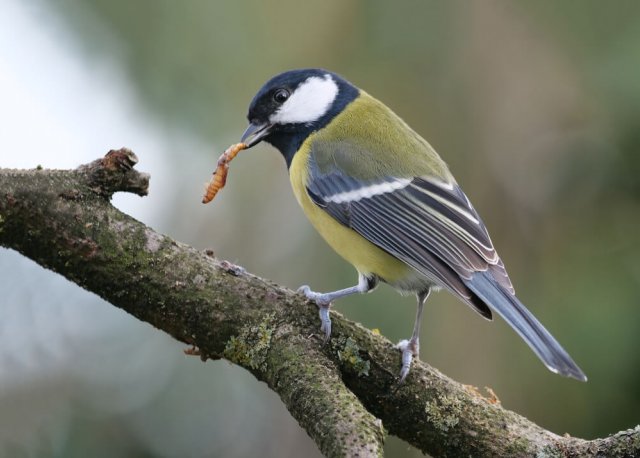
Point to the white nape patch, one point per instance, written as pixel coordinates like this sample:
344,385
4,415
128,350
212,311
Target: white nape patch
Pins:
308,103
369,191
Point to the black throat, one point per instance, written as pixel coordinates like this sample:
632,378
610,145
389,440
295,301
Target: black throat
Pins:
288,138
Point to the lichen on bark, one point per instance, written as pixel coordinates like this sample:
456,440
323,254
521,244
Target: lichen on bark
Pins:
344,394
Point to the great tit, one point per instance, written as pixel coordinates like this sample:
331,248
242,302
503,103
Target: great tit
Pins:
382,198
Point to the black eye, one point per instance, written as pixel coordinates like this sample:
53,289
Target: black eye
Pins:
281,95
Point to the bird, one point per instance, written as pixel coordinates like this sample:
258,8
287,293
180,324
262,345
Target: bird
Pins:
383,199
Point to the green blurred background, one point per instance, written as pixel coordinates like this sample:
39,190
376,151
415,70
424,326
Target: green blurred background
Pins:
534,105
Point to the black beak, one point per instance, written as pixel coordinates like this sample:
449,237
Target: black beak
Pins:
255,133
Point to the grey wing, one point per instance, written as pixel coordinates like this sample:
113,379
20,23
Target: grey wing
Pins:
425,222
431,225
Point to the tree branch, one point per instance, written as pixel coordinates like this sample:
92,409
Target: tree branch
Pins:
341,393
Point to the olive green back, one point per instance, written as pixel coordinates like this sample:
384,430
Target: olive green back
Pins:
368,140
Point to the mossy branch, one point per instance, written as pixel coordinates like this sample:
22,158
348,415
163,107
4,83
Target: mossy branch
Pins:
341,393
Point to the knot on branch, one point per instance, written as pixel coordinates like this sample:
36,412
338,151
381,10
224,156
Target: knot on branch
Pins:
114,173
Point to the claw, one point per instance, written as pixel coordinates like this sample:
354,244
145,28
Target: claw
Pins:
304,289
318,298
324,304
409,349
325,319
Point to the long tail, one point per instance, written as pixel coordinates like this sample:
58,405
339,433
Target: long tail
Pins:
519,318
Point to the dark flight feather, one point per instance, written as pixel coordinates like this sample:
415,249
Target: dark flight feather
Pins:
431,225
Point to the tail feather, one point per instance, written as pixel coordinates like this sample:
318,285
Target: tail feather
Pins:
525,324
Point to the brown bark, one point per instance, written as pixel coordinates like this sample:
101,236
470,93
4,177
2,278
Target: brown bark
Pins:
341,393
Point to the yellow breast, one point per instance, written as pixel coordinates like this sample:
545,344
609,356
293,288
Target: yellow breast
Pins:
366,257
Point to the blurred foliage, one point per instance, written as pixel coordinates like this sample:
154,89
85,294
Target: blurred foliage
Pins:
534,105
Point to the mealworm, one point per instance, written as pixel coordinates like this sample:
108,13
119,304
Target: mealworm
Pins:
219,177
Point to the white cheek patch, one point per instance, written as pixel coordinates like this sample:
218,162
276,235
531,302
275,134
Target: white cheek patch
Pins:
308,103
369,191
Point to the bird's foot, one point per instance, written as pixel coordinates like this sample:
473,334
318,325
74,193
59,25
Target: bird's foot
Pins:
410,349
319,298
324,305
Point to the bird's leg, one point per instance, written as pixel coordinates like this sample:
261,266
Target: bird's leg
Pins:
324,300
411,348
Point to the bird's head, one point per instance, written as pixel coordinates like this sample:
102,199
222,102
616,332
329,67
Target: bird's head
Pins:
293,104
